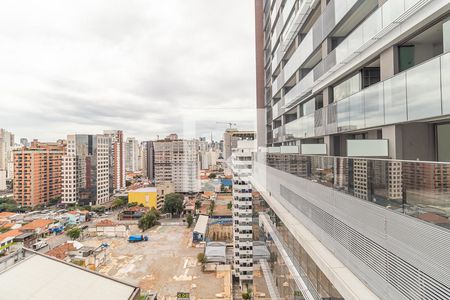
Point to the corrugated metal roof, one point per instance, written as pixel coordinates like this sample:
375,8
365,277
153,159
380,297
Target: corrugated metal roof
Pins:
39,277
201,225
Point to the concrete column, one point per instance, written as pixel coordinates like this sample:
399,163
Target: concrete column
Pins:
328,140
327,96
394,136
388,63
326,47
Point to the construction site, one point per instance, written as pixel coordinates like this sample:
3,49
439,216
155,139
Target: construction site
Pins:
166,263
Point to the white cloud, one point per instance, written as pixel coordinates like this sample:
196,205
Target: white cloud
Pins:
143,66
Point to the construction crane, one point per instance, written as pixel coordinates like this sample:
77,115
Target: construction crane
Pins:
229,123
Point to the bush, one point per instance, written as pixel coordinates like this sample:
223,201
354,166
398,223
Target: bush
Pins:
74,233
148,220
189,220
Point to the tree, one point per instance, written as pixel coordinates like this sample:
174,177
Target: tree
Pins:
98,209
211,207
119,202
54,201
212,175
247,295
201,258
198,204
189,220
74,233
229,205
173,203
148,221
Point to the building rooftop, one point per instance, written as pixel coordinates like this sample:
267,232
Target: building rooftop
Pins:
201,225
39,223
11,234
41,277
6,214
105,223
144,190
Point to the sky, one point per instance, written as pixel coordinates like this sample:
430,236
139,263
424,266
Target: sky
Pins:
147,67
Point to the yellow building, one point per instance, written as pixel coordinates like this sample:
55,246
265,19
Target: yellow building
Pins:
145,196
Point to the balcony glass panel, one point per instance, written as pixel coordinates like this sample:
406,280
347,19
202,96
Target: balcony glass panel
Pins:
355,39
308,123
395,99
418,189
372,25
424,90
293,130
357,111
391,10
343,115
445,73
374,105
331,119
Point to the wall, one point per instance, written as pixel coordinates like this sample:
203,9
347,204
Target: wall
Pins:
148,199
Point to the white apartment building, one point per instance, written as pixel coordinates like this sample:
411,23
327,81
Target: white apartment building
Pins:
132,155
177,161
241,165
2,180
243,233
6,146
208,158
86,169
241,158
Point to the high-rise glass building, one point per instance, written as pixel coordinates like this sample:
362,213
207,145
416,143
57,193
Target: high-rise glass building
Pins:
86,169
353,101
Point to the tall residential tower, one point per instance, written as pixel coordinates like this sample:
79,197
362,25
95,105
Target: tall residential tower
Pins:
356,116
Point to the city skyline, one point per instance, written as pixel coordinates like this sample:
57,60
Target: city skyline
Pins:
73,81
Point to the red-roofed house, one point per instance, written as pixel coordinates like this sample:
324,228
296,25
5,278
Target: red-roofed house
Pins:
6,239
39,226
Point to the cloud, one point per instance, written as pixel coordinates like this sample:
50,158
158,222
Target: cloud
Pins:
146,67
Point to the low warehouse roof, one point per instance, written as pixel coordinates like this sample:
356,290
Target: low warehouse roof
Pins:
41,277
201,225
216,252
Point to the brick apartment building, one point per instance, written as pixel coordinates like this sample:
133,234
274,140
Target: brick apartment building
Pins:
37,173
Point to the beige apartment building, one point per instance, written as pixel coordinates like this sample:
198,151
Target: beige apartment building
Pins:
177,161
37,173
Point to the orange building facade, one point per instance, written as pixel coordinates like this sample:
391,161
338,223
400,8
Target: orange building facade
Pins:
37,173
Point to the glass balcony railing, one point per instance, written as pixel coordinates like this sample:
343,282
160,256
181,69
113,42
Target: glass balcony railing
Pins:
366,33
414,188
418,93
333,14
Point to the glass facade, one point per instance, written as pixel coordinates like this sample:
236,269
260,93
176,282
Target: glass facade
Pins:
420,92
418,189
316,281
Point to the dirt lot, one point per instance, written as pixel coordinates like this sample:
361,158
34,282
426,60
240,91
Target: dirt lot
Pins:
167,263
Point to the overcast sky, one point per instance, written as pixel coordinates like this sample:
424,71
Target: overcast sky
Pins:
148,67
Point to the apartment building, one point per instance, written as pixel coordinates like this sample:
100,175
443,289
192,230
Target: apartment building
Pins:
177,161
6,146
149,160
353,103
86,169
132,155
242,210
3,185
37,173
117,163
230,138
